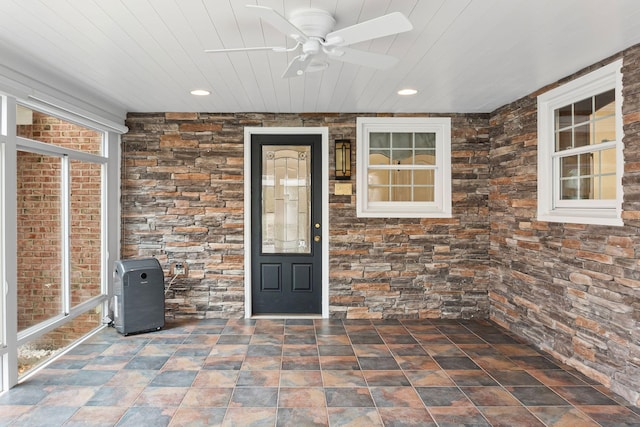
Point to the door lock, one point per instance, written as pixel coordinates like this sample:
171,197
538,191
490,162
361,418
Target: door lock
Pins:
317,225
316,238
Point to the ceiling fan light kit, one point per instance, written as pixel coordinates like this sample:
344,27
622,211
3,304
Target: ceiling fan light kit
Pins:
311,29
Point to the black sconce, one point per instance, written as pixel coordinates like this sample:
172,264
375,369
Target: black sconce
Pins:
343,159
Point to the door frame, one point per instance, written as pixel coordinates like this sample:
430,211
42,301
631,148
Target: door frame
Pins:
324,133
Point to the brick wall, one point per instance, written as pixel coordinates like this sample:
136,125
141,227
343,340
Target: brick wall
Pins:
182,200
572,290
39,227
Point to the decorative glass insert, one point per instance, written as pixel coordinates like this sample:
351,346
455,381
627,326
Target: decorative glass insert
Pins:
286,199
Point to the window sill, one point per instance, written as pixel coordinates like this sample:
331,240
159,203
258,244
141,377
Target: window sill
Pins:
590,217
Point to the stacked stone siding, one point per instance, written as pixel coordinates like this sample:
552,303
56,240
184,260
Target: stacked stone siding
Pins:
573,290
183,200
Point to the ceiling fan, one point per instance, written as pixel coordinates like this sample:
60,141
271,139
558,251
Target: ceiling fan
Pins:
311,30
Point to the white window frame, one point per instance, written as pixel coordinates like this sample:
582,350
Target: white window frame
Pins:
550,208
441,206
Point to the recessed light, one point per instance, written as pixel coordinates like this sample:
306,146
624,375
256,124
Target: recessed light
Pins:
407,92
200,92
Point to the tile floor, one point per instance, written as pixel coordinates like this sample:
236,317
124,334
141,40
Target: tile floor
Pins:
311,373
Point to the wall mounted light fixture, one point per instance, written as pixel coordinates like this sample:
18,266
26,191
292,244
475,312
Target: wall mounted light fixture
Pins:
343,158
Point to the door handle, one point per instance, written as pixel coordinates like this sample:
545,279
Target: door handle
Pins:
317,225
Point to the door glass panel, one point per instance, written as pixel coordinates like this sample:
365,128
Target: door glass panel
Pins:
286,199
39,238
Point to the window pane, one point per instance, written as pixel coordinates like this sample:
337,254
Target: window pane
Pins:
605,129
52,130
425,157
605,161
581,136
582,111
423,194
563,117
401,194
424,177
605,104
402,140
39,238
401,157
380,158
607,188
425,140
85,239
378,194
379,177
569,189
564,140
379,141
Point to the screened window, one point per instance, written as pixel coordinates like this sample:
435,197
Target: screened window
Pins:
580,150
404,167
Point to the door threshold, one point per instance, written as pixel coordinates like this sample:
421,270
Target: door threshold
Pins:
286,316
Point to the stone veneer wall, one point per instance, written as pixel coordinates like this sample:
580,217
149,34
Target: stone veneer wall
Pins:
182,200
573,290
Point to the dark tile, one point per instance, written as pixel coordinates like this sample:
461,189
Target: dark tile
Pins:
304,363
498,339
335,350
264,350
174,379
299,350
399,339
366,339
537,396
507,378
254,397
583,395
473,377
348,397
234,339
386,378
465,338
259,379
534,362
88,349
147,362
455,363
412,363
300,339
349,363
378,363
443,396
66,363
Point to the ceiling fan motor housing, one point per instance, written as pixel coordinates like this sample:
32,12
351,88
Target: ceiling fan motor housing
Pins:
313,22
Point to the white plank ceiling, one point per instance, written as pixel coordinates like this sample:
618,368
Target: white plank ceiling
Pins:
462,55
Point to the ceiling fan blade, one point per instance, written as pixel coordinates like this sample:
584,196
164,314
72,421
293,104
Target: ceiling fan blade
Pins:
382,26
297,66
360,57
247,49
278,22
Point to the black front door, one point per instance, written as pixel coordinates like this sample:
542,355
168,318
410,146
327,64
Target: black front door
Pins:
286,214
